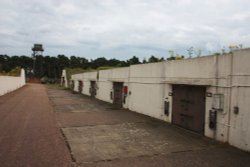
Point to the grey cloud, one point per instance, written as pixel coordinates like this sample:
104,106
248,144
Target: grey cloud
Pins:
140,47
121,28
89,43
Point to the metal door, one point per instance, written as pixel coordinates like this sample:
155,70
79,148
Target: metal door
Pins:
63,81
72,85
189,107
117,99
80,85
92,88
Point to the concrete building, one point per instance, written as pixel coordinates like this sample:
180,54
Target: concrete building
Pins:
208,95
112,86
88,83
64,79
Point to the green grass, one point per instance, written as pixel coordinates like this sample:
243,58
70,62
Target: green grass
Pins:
107,67
72,71
14,72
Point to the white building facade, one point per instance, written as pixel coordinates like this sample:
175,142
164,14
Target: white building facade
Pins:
208,95
64,79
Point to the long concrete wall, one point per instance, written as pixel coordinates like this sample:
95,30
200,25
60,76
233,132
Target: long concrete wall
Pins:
151,85
9,83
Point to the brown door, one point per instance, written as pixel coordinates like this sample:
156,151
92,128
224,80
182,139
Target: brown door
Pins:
117,100
80,85
189,107
63,81
72,85
92,88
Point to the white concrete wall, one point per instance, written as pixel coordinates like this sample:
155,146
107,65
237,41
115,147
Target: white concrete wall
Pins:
105,86
211,72
146,89
86,78
228,75
105,82
75,78
239,133
64,75
9,83
151,84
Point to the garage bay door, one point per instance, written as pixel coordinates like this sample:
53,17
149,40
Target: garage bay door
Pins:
189,107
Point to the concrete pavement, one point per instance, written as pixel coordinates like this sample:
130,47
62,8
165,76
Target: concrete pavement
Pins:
100,135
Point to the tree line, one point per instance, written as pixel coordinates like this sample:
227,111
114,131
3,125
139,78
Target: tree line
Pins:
40,66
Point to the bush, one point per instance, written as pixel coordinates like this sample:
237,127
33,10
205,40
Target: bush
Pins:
14,72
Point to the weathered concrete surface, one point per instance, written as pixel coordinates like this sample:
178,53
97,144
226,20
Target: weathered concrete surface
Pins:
101,136
217,157
74,110
108,142
29,136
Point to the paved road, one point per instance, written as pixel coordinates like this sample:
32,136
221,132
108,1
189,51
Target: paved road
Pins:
29,135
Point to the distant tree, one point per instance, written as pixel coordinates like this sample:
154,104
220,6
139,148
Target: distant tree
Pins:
62,62
74,62
39,66
176,57
26,62
233,47
171,58
144,61
84,62
52,67
162,59
8,63
3,61
13,62
78,62
133,60
153,59
102,61
114,63
217,54
179,57
123,64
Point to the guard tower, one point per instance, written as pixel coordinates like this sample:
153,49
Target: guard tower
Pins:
37,50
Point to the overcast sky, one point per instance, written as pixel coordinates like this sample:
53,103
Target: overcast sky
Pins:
122,28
